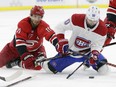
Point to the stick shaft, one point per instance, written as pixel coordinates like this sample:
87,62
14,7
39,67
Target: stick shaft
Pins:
22,80
47,59
110,44
75,70
110,64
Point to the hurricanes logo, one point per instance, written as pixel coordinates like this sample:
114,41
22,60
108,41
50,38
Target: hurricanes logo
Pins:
81,42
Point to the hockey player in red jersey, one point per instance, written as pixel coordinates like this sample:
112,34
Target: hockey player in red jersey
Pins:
27,46
88,36
110,21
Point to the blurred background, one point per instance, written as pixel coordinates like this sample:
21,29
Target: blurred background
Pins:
50,4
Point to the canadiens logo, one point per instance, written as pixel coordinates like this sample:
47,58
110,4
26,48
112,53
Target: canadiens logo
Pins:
81,42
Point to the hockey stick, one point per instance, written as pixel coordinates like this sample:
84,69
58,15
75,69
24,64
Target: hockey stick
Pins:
47,59
12,77
19,81
72,53
110,44
27,78
75,70
110,64
18,73
75,53
22,80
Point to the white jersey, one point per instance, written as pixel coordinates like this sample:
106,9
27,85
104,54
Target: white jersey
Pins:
83,37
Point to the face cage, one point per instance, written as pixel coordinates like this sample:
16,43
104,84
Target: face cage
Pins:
91,22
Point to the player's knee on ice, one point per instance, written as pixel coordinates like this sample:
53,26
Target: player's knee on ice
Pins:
85,66
103,67
48,68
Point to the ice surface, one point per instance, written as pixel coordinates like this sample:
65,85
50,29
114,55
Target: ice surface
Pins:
8,23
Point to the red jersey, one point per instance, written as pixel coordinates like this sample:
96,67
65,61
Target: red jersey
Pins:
112,7
111,19
111,11
32,37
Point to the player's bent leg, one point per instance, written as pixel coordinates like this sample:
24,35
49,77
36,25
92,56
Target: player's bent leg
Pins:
101,67
6,55
85,66
48,68
59,64
13,63
104,69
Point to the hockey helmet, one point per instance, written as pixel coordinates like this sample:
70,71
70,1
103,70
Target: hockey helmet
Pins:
93,13
37,10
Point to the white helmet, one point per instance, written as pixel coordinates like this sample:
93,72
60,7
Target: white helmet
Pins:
93,13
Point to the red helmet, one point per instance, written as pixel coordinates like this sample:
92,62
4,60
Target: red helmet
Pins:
37,10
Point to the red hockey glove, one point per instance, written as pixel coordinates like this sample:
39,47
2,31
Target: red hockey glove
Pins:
111,32
27,61
62,47
94,57
111,29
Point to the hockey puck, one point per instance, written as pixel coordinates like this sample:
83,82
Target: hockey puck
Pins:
91,77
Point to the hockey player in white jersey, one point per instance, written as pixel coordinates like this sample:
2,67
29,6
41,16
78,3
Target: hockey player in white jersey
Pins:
88,37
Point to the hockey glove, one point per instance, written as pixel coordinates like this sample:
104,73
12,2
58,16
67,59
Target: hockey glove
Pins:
39,59
62,47
111,29
27,61
94,57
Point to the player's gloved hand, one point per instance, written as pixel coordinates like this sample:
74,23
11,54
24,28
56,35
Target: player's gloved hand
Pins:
38,63
62,47
39,59
27,61
111,29
94,57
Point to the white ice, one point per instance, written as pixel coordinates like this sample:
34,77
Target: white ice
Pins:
8,25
